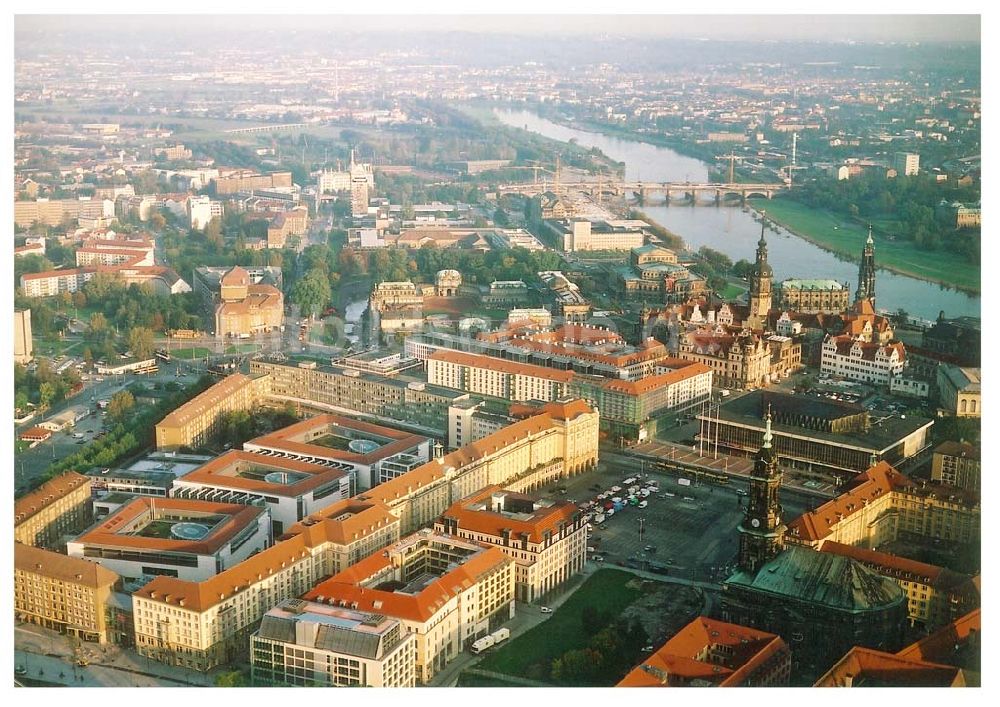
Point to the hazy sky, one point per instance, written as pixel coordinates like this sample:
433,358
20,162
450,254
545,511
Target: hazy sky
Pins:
863,28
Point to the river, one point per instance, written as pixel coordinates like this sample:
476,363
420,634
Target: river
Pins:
734,232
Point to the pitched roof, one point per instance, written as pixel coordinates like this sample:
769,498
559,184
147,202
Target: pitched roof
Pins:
420,606
109,532
875,483
225,388
340,523
534,525
894,565
678,661
46,494
227,471
54,565
941,646
866,667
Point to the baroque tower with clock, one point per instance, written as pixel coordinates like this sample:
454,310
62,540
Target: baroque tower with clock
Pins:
762,534
761,278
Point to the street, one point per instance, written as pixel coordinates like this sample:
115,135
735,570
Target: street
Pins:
48,656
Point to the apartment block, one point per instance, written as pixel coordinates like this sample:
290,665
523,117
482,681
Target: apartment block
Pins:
62,593
59,507
882,503
195,422
366,454
561,439
957,464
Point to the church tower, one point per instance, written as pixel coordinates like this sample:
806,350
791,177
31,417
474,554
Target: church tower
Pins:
760,284
762,534
866,272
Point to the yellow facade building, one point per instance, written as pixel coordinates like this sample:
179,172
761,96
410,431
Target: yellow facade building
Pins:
63,593
57,508
195,422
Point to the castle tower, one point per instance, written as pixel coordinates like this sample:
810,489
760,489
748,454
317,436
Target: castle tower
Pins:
866,272
760,284
762,534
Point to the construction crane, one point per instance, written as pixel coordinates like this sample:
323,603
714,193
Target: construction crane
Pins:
732,164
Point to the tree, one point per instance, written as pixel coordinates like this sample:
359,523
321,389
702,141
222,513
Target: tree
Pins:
98,324
312,293
120,406
232,679
46,394
140,342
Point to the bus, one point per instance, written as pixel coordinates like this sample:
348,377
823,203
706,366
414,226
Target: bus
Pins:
162,355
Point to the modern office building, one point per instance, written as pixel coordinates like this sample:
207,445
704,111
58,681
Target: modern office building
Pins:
815,434
365,453
290,489
191,540
312,644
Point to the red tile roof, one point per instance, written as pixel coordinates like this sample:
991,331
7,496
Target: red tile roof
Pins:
875,483
289,439
866,667
677,662
546,519
940,646
224,471
345,586
47,494
108,532
340,523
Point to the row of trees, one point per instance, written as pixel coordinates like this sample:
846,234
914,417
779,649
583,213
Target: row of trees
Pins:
42,387
905,204
132,432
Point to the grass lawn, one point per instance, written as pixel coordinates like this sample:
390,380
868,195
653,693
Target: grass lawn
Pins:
817,226
606,590
191,353
731,291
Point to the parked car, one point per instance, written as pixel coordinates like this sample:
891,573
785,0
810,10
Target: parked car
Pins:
545,610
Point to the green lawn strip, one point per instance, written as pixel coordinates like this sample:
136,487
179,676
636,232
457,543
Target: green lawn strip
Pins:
817,226
191,353
731,291
605,590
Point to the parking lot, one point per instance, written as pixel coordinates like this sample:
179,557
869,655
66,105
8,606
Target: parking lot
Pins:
693,539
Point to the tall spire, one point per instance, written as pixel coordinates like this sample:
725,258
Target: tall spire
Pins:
763,220
767,430
866,271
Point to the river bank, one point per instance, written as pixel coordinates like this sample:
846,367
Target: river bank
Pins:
845,239
829,232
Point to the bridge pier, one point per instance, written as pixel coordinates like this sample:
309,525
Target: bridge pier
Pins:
718,197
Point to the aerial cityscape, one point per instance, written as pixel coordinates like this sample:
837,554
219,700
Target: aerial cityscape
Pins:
543,352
